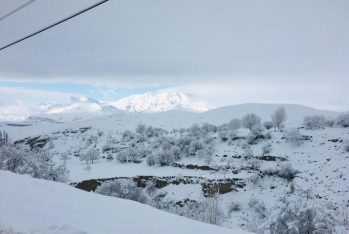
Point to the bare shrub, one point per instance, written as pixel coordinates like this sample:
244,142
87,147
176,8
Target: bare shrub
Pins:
255,179
122,157
258,206
267,148
248,153
140,129
271,171
127,136
110,157
164,158
330,122
125,189
287,171
343,120
100,133
293,136
151,160
254,164
223,135
301,213
235,207
314,122
268,125
245,146
255,135
267,135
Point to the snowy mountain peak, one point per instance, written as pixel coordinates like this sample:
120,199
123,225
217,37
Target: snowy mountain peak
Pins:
158,102
74,99
75,104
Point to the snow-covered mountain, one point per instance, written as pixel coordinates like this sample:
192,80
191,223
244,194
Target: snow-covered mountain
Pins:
71,109
83,108
77,105
158,102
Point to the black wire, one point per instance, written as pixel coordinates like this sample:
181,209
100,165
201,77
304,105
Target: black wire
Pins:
52,25
17,9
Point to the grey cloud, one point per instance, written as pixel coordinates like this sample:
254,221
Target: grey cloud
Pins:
169,41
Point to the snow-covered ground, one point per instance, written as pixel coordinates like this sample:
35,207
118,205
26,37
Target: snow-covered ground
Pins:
321,160
30,205
167,120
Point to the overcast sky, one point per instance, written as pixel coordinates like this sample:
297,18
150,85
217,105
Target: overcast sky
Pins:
222,52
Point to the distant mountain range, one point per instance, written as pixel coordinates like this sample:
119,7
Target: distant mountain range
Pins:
77,105
158,102
148,102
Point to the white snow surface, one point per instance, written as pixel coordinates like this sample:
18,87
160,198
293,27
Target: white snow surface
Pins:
37,206
322,162
158,102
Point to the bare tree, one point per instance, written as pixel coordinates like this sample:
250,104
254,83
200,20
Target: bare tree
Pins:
250,120
90,155
279,116
65,156
235,124
3,138
88,168
93,154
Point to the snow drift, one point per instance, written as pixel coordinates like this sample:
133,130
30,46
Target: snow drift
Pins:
44,207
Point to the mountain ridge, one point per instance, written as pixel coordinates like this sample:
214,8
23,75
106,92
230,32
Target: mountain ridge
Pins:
159,102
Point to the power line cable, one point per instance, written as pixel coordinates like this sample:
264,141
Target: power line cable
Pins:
55,24
17,9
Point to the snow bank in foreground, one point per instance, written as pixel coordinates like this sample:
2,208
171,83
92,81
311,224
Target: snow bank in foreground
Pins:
40,206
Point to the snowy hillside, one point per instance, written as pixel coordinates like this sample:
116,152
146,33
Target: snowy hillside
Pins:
176,158
44,207
295,113
167,119
158,102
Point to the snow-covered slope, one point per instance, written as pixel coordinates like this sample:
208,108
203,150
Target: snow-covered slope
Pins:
78,105
45,207
158,102
295,113
167,120
320,160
